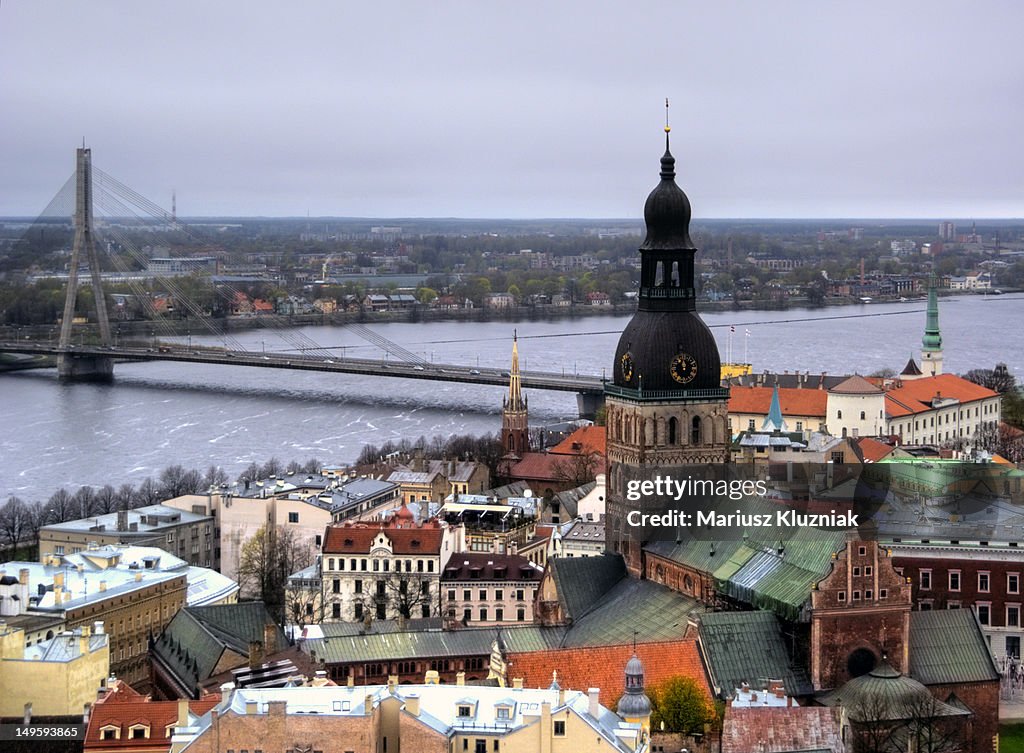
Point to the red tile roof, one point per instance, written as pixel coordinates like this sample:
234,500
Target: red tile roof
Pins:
871,450
539,466
795,401
915,395
123,714
604,667
856,385
358,538
585,439
785,728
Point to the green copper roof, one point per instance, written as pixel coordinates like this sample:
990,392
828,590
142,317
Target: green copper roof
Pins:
932,337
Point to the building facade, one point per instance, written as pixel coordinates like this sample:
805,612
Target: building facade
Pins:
479,589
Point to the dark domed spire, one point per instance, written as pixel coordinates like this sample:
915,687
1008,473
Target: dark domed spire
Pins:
634,702
667,211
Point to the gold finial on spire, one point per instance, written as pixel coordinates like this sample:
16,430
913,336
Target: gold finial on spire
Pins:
667,127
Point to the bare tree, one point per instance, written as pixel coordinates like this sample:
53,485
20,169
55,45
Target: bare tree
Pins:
268,558
998,379
400,594
214,477
84,501
15,523
576,470
147,493
60,507
106,500
125,495
176,481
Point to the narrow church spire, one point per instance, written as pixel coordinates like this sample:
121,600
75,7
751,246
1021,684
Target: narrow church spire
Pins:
515,391
515,432
931,343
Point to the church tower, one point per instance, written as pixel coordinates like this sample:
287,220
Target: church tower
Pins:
515,419
665,405
931,343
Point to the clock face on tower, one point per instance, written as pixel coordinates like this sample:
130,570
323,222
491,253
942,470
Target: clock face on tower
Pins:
627,366
683,368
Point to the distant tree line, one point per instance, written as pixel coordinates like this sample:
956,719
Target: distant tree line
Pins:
486,449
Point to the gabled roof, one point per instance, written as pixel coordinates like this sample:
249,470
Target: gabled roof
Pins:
538,466
581,581
794,401
193,642
871,450
947,646
125,714
747,647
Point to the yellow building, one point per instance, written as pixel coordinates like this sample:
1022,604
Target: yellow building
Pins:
59,677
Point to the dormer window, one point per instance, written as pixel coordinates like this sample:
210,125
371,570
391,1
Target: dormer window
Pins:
503,712
110,732
138,732
465,711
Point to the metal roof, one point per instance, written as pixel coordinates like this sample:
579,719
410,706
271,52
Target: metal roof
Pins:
947,646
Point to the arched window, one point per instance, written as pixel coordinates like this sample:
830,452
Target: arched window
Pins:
839,414
695,431
862,415
672,429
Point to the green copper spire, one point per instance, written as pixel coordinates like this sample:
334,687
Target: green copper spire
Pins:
932,338
774,422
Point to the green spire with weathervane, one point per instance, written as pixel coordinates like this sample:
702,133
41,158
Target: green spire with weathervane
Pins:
932,337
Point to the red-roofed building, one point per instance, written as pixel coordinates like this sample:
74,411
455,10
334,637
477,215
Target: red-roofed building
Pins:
803,408
387,571
601,666
122,722
939,410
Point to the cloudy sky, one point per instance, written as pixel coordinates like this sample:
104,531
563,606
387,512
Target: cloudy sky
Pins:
519,109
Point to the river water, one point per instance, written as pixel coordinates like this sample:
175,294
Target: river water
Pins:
158,414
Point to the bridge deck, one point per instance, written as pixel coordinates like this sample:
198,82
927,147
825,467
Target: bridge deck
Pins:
584,384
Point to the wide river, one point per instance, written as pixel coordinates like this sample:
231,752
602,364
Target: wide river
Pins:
158,414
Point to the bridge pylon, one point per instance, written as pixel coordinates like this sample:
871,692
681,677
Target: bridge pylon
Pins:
69,365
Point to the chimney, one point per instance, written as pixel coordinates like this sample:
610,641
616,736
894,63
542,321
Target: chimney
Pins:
255,654
517,683
270,639
103,586
86,707
97,627
138,576
368,705
27,720
252,707
182,713
594,705
23,576
122,520
58,580
392,683
460,678
351,680
561,696
432,677
412,704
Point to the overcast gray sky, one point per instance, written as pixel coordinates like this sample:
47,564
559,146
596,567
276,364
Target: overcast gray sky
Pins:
519,109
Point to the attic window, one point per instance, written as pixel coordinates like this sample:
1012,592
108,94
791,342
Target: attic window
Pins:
503,712
465,711
138,732
110,733
348,542
415,543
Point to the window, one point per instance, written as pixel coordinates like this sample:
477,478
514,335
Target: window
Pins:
983,581
465,711
856,595
954,580
520,614
483,594
466,595
499,594
358,610
336,610
559,728
924,581
139,732
519,594
984,610
694,439
750,425
862,415
111,733
336,586
1013,583
672,430
799,425
882,593
293,517
952,605
856,572
868,570
358,586
451,594
1013,615
839,414
1013,646
499,614
479,746
483,614
842,597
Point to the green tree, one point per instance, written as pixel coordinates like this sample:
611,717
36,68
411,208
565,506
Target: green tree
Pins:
682,704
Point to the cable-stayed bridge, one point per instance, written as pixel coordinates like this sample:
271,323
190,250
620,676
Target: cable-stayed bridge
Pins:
126,210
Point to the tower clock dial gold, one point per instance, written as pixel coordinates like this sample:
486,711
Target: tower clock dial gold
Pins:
627,366
683,368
